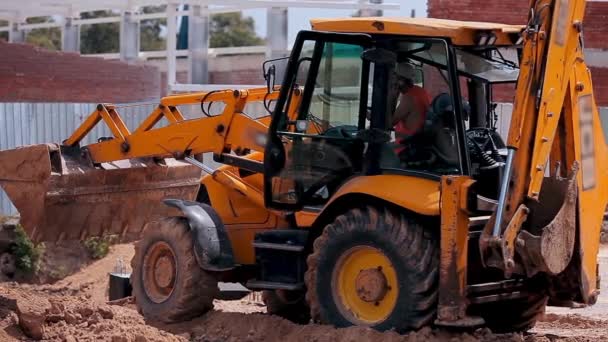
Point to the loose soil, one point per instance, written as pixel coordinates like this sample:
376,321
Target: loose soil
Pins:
75,308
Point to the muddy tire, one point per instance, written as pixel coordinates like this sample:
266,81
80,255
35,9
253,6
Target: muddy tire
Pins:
289,305
374,268
168,284
518,315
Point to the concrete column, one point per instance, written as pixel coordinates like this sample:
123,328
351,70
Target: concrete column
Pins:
16,35
171,44
198,45
70,36
276,19
129,37
370,12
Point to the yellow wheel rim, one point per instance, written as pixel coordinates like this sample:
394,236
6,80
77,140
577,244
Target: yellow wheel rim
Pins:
364,284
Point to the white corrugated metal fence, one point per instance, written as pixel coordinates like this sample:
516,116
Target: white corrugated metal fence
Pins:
35,123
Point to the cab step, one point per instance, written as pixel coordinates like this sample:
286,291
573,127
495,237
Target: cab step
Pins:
273,285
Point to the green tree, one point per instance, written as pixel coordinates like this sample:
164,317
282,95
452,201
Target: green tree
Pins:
99,38
4,34
150,39
226,30
232,29
48,38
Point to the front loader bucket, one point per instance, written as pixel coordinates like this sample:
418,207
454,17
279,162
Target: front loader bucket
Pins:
61,195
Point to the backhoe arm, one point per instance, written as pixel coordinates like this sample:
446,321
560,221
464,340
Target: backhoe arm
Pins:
555,124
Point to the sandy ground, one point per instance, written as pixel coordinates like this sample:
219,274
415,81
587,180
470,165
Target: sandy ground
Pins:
591,321
75,309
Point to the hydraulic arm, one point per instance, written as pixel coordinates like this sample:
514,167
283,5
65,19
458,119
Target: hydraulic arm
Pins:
231,130
555,131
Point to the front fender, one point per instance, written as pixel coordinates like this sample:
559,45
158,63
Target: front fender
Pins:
417,194
212,248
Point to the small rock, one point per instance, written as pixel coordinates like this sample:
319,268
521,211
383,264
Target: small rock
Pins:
99,328
56,307
186,336
32,316
140,338
106,313
117,338
70,338
54,318
12,318
72,318
94,318
85,311
7,264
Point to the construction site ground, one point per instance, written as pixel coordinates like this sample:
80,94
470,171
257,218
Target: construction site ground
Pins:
75,308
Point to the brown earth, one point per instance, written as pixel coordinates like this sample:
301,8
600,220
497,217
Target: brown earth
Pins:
75,309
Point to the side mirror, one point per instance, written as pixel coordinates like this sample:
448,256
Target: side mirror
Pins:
379,56
269,69
270,77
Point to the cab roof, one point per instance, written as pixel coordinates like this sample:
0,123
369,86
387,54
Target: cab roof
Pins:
460,32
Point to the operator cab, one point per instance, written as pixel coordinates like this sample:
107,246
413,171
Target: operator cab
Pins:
362,104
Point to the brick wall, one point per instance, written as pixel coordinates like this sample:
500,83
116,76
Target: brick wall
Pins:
515,12
30,74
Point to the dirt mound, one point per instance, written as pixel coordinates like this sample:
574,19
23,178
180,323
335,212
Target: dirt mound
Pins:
75,309
40,315
59,260
230,326
573,327
573,321
67,315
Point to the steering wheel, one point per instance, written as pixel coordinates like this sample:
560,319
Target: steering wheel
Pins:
482,137
482,146
343,131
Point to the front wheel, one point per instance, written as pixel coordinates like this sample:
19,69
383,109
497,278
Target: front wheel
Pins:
374,268
168,284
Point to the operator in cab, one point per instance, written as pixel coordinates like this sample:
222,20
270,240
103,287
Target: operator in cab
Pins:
413,104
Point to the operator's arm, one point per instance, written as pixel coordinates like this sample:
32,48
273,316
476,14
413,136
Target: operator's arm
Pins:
403,110
408,115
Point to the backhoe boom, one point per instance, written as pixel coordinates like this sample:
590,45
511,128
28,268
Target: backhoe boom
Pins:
555,125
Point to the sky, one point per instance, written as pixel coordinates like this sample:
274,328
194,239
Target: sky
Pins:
299,18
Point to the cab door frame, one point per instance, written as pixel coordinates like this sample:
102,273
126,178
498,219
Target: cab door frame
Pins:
275,153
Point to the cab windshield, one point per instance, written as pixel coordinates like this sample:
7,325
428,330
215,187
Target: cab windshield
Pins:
491,70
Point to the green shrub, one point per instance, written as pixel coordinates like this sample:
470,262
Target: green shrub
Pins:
98,247
59,273
27,254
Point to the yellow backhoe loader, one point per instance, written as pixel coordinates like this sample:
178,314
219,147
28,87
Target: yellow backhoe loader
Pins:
339,206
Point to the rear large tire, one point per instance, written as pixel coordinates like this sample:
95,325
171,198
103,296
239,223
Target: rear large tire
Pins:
517,315
168,284
374,268
287,304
